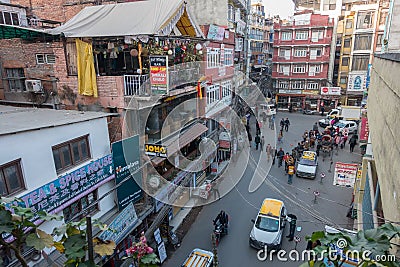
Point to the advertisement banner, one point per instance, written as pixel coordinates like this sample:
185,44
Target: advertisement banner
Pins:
330,90
290,91
357,82
368,80
159,74
345,174
216,33
364,132
126,158
68,188
122,225
155,150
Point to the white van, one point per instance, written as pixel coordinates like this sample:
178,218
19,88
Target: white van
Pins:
199,257
267,110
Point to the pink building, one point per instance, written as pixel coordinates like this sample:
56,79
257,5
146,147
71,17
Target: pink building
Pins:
301,60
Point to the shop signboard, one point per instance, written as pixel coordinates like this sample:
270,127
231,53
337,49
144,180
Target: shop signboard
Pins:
68,188
330,90
357,82
345,174
216,33
159,74
364,132
126,158
368,80
310,92
157,236
122,225
224,141
155,150
290,91
162,252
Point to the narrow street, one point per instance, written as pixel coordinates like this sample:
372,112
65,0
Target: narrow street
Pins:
242,206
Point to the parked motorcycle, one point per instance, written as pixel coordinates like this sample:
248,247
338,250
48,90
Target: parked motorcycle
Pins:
174,240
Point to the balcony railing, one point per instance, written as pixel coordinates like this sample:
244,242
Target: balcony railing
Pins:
326,41
133,84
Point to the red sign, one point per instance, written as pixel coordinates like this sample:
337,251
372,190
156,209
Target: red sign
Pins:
224,144
345,174
159,74
364,132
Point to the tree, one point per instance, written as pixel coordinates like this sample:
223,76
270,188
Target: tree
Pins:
17,228
367,247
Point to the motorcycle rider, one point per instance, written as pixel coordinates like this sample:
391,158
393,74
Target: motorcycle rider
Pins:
222,218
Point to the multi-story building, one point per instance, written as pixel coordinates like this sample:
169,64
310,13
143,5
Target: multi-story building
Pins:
301,60
361,32
257,34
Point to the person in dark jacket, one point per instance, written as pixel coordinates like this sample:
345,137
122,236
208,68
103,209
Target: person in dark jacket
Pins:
257,139
287,123
292,222
282,124
280,156
353,142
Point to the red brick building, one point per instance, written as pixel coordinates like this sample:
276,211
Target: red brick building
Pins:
301,60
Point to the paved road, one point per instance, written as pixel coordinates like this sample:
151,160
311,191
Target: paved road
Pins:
242,206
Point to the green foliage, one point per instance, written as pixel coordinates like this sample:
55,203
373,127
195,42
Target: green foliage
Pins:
370,242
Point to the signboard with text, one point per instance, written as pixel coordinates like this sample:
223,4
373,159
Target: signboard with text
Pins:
159,74
126,161
357,82
68,188
330,90
155,150
216,33
121,225
345,174
364,132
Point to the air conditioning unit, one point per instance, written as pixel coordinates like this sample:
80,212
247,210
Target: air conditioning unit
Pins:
33,86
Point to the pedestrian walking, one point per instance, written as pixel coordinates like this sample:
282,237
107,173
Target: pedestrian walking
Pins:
280,155
258,130
286,160
287,123
282,124
250,138
353,142
280,138
262,142
290,173
274,153
257,140
215,191
292,222
268,149
315,127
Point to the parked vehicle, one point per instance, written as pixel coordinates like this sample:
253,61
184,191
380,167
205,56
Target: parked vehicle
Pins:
350,125
307,165
269,225
199,257
347,113
267,110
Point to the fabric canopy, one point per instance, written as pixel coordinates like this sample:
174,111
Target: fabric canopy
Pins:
151,17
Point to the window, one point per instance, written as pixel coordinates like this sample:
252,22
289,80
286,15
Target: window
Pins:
228,57
360,62
71,153
312,85
379,40
382,17
213,57
226,88
349,24
286,36
16,79
283,84
299,68
9,18
11,180
345,61
285,69
343,80
70,49
285,53
347,43
317,35
300,52
365,19
363,42
297,84
301,35
231,13
79,209
315,52
239,44
45,58
212,93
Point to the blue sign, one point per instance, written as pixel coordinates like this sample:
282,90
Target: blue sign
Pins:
368,75
122,225
357,83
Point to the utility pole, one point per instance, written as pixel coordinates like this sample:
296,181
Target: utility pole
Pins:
247,40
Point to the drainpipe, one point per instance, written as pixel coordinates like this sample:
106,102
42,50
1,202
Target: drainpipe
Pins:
247,40
377,196
388,24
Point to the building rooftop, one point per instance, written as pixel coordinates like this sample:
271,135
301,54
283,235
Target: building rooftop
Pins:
15,120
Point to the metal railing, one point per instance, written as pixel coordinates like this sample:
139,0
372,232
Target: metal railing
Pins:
133,84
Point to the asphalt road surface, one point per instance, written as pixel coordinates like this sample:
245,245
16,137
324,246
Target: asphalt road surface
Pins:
331,207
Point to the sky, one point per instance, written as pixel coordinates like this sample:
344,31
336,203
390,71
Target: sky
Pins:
283,8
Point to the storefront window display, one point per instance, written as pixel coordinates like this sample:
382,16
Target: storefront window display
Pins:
296,102
283,102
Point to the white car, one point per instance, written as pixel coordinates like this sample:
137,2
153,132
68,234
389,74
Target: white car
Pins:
350,125
307,165
269,225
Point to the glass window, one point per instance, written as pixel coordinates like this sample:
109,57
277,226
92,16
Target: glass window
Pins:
349,23
79,209
347,43
71,153
343,80
11,180
312,85
298,85
345,61
267,224
301,35
299,68
300,52
382,17
16,79
365,19
15,19
213,57
7,18
363,42
40,59
286,36
360,62
379,40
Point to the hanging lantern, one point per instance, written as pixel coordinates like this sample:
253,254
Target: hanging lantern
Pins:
170,52
134,53
184,47
200,52
198,46
139,71
166,48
